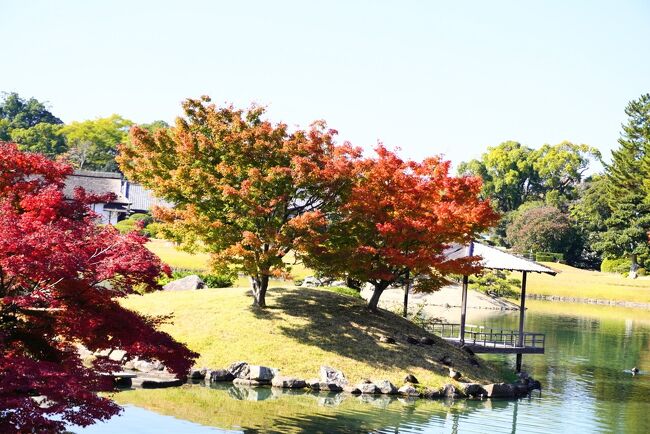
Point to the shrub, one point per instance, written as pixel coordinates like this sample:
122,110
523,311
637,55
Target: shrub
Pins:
298,282
344,290
496,283
549,257
641,272
125,226
211,280
141,217
150,229
216,280
618,265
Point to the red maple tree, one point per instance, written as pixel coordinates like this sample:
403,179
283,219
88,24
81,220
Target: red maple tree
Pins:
244,189
60,276
399,217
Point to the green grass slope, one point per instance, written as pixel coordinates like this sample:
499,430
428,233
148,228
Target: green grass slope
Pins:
301,330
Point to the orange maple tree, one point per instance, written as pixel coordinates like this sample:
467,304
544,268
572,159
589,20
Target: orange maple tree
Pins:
244,189
399,217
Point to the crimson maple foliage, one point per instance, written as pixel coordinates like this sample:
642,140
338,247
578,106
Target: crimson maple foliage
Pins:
60,275
245,189
399,217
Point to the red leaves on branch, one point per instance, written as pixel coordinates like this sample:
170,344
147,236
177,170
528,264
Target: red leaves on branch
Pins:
244,189
400,216
59,276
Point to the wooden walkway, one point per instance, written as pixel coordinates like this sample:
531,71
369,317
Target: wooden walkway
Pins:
489,340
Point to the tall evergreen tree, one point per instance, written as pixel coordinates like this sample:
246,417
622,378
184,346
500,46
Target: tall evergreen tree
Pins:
631,161
628,225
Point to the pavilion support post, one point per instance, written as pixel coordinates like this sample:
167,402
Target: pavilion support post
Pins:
522,313
463,310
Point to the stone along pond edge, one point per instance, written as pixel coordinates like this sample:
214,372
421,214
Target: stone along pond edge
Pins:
242,374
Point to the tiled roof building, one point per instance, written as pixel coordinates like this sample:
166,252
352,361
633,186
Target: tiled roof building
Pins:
129,197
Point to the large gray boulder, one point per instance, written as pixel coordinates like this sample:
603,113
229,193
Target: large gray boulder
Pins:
261,373
386,387
239,369
288,382
329,387
313,383
352,389
220,375
333,376
472,389
368,388
186,283
197,373
499,390
408,390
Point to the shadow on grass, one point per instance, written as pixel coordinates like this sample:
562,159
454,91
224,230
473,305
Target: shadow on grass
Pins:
345,326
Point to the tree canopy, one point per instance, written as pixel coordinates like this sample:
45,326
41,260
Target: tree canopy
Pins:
16,112
514,174
30,124
626,223
93,143
542,229
60,276
245,189
399,217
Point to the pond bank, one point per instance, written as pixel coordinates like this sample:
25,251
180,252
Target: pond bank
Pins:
305,328
567,299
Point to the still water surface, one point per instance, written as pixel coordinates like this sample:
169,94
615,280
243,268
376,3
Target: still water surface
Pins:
585,390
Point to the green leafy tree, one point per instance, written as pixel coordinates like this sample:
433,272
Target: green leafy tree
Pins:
93,143
19,113
542,229
244,189
560,169
43,138
509,177
31,125
589,214
154,126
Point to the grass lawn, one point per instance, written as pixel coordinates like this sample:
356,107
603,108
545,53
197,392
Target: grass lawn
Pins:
574,282
302,329
200,261
176,258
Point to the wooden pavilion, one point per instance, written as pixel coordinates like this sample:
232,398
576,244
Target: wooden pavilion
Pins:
483,340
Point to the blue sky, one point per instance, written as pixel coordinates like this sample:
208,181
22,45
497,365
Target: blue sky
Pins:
429,77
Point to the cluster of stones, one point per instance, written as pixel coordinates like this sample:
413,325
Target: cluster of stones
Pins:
332,380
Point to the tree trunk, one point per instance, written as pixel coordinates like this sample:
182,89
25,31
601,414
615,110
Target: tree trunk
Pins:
260,285
379,289
634,266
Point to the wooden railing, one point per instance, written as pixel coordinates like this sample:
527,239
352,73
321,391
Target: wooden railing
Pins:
489,337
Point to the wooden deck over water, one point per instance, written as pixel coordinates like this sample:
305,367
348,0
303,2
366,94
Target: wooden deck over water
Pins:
489,340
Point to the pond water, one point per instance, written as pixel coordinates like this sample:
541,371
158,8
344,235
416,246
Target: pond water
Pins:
585,390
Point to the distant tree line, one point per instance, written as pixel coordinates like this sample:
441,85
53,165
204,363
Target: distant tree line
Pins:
549,205
90,144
